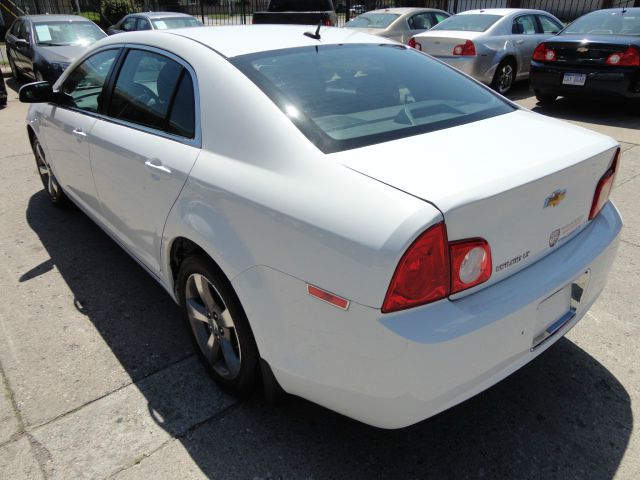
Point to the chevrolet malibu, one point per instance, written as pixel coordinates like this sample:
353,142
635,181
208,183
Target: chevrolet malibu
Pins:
331,210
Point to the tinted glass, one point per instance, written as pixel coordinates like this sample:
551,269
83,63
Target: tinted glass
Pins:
300,5
468,23
422,21
346,96
178,22
84,85
67,33
144,89
143,24
440,17
182,118
129,24
372,20
606,23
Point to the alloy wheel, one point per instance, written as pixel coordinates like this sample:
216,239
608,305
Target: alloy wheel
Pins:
213,326
49,181
506,78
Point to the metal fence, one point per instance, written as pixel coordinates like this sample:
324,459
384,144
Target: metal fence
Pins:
229,12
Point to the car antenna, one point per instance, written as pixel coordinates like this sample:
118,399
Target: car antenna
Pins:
315,36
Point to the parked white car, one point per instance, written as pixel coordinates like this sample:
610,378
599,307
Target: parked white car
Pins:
334,212
493,45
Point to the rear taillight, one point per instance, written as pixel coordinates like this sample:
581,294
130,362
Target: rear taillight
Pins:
326,22
413,44
603,189
470,263
544,54
422,276
468,49
432,268
628,58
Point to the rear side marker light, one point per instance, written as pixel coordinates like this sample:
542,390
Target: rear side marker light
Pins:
604,187
328,297
544,54
628,58
468,49
470,263
413,44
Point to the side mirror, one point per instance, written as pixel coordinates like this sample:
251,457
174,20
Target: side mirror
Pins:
37,92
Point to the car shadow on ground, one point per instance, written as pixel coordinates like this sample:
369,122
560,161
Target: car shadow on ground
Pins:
562,416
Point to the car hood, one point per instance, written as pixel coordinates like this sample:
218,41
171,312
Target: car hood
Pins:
65,53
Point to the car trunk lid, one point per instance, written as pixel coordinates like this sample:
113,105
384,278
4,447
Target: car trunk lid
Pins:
442,43
523,182
575,50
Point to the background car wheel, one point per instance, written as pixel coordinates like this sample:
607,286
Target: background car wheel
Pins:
49,181
545,98
218,325
504,77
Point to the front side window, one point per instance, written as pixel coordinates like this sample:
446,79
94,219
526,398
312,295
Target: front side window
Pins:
148,87
347,96
422,21
549,25
468,23
143,24
67,33
83,87
129,24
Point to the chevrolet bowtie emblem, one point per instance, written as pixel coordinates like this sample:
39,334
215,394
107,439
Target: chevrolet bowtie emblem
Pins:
555,198
582,49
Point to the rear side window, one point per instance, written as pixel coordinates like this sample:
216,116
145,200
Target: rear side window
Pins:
151,91
549,25
347,96
468,23
524,25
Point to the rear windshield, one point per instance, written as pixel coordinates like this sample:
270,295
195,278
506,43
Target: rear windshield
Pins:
176,22
606,23
348,96
468,23
300,6
372,20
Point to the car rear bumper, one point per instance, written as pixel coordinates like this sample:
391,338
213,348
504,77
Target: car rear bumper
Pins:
623,82
393,370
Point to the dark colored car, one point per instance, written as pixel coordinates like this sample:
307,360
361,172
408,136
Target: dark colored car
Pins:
41,47
597,55
153,21
3,92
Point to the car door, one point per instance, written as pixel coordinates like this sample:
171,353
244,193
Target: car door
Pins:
142,153
525,39
22,48
67,126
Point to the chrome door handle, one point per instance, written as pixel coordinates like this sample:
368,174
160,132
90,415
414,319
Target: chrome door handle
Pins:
79,133
156,165
519,42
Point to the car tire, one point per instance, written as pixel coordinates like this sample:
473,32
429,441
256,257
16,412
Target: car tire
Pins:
218,325
504,77
545,98
49,181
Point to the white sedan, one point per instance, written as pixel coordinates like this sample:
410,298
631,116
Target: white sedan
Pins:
343,216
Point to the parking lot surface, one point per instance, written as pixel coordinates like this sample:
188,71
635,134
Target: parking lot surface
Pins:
99,379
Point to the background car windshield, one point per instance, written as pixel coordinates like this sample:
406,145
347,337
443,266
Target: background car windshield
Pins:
372,20
606,23
67,33
468,23
347,96
176,22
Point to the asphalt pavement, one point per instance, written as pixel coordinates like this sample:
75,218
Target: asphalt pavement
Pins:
100,380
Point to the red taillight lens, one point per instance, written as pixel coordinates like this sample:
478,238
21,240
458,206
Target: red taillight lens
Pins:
603,189
629,58
470,263
544,54
466,50
422,276
326,22
413,44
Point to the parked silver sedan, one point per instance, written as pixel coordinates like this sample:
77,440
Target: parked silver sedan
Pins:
493,45
399,24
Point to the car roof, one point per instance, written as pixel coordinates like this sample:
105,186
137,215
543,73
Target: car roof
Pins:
162,14
55,18
503,12
234,40
403,10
